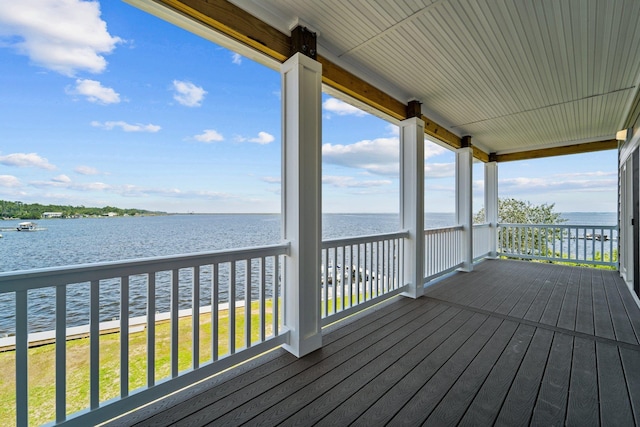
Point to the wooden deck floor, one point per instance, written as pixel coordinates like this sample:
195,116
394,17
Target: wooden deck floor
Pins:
512,343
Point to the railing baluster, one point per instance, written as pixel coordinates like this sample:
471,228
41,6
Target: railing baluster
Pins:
94,345
276,295
353,275
61,353
215,322
151,329
124,336
325,282
343,277
175,304
359,278
195,319
334,279
22,359
232,309
247,304
263,309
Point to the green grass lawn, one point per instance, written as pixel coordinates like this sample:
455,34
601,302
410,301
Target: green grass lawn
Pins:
42,363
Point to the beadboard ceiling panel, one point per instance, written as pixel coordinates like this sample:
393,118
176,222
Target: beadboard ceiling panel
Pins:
515,75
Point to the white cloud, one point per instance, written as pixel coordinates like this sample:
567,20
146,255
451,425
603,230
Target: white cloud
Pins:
432,150
351,182
439,170
25,160
61,178
95,92
262,138
582,175
341,108
188,94
272,179
9,181
236,58
558,184
86,170
209,135
65,36
62,183
379,156
127,127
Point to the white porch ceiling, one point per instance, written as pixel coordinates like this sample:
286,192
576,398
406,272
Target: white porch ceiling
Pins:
515,75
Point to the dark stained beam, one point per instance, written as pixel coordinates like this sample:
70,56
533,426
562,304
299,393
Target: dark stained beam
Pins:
234,22
588,147
434,130
348,83
480,155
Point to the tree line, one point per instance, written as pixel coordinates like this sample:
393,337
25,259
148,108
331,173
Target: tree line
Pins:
22,210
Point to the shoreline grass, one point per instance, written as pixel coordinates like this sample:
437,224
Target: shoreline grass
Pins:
41,362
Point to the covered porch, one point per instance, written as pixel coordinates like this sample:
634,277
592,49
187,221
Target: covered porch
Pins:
511,343
506,342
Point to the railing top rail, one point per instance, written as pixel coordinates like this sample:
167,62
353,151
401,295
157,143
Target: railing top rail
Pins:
53,276
483,225
332,243
443,229
563,225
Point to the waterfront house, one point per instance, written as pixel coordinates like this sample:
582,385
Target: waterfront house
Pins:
499,341
47,215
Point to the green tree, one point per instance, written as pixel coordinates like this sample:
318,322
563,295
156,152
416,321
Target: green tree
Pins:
519,234
514,211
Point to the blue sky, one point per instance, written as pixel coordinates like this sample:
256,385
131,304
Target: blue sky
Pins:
104,104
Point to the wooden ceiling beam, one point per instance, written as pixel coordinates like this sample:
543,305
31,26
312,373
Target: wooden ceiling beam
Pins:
589,147
234,22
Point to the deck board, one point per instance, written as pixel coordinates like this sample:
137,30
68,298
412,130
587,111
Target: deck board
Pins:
551,405
454,404
356,404
245,404
554,305
583,406
621,323
520,401
511,343
584,312
396,397
615,407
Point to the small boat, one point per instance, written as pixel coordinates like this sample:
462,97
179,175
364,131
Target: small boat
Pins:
598,237
27,226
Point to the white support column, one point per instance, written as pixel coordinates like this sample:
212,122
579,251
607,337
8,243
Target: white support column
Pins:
302,201
491,205
412,203
464,203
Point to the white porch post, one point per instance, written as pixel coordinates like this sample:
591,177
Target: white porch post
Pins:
412,202
464,200
302,202
491,205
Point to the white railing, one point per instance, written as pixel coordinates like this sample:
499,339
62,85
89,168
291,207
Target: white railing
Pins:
232,297
358,272
584,244
443,251
482,240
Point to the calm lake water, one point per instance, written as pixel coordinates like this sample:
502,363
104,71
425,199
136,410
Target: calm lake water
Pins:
89,240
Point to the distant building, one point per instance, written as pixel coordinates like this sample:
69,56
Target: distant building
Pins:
47,215
110,214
